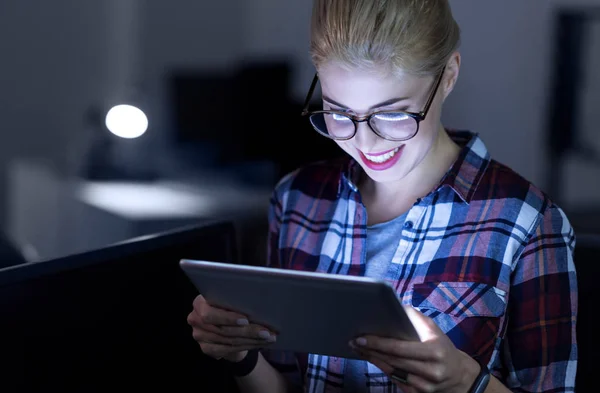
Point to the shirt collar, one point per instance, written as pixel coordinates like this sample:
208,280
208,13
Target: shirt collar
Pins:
468,170
463,177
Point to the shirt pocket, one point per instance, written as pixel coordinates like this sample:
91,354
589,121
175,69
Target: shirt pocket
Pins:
470,313
460,299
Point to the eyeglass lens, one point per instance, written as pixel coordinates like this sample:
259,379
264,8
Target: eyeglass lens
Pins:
394,125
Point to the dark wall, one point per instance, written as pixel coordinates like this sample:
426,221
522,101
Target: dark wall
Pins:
247,115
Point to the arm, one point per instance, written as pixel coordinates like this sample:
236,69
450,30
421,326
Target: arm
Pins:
540,348
264,379
276,371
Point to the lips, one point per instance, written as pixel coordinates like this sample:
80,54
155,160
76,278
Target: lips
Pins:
382,160
381,153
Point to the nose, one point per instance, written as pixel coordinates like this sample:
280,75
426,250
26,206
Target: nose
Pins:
365,138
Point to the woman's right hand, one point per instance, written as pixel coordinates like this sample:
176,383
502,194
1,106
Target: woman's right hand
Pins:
224,334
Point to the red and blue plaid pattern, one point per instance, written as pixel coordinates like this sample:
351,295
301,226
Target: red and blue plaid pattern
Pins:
486,255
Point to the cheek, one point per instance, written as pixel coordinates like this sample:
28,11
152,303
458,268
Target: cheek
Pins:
433,119
428,128
418,147
345,146
427,132
422,143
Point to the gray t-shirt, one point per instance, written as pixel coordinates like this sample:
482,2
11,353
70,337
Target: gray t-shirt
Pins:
382,242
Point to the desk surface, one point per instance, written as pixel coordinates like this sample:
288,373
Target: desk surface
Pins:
159,200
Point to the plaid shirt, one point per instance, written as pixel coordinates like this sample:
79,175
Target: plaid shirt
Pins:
486,255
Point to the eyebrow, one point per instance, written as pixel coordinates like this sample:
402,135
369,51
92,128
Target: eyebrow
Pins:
384,103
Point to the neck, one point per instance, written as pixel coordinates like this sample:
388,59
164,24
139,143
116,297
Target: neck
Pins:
423,178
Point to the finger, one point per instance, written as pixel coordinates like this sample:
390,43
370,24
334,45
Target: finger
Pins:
209,315
205,336
250,331
401,348
218,351
433,373
388,370
425,326
254,332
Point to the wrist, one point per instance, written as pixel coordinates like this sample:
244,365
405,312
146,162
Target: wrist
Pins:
476,375
236,357
242,363
471,369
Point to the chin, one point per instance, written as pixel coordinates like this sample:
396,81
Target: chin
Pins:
388,176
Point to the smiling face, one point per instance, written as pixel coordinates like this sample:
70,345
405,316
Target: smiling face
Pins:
361,93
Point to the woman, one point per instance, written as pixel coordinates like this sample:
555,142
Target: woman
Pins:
475,252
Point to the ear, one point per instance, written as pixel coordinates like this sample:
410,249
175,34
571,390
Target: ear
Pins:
452,71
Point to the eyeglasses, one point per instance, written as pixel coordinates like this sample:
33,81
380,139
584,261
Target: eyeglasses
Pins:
390,125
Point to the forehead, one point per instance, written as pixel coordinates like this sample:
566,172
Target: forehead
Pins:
360,90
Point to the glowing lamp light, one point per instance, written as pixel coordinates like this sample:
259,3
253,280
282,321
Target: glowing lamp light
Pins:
126,121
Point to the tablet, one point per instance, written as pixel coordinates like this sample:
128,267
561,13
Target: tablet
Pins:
311,312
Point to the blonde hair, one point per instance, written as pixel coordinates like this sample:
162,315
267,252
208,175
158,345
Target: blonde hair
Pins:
414,36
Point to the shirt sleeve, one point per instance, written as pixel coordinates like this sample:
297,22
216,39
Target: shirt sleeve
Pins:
286,363
540,348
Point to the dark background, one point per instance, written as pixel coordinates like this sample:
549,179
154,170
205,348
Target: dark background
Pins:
222,84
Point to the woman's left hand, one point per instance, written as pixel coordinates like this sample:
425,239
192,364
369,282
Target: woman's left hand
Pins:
432,365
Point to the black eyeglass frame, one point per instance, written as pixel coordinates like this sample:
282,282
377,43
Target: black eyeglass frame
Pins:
417,116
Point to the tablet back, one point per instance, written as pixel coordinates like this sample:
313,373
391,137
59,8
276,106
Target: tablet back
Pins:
313,313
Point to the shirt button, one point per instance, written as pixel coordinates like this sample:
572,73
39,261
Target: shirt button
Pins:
408,224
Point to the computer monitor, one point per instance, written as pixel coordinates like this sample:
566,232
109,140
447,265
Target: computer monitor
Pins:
110,318
587,263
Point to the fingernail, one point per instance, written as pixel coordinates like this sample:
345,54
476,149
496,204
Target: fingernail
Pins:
242,322
264,335
272,339
361,341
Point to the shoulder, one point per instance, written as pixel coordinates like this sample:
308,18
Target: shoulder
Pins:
494,190
530,207
317,180
502,182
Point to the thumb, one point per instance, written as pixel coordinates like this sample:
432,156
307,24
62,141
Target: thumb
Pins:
425,327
